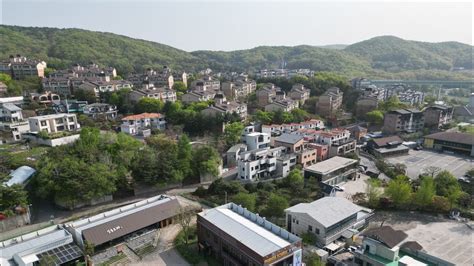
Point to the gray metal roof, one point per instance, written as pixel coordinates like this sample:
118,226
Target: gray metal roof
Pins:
11,107
330,165
289,138
20,175
249,229
328,210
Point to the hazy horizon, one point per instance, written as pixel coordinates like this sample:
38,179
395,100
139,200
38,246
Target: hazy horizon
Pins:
228,26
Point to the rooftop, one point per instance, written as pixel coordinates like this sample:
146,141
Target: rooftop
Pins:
387,235
384,141
143,116
251,230
328,210
289,138
464,138
20,175
330,165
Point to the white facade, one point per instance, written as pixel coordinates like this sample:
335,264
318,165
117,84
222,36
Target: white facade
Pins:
288,128
54,123
256,140
136,124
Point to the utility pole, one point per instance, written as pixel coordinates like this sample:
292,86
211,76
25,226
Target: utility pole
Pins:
225,197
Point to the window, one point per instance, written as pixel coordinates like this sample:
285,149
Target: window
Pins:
297,222
310,228
43,123
317,231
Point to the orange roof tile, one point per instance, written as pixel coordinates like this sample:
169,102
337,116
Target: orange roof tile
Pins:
142,116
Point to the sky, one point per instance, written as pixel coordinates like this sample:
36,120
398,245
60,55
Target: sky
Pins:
230,25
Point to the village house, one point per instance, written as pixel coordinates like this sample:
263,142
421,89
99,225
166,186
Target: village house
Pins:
206,83
239,88
164,94
12,122
198,96
330,102
274,129
20,67
53,123
101,111
101,86
142,124
161,78
299,93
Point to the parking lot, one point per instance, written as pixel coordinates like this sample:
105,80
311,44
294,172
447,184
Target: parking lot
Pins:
447,239
417,161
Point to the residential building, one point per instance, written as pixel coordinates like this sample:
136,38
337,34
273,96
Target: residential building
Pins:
330,102
462,143
93,70
227,108
403,120
288,128
437,116
12,122
285,161
256,164
387,146
322,151
285,105
307,156
357,132
332,171
101,229
101,86
255,140
101,111
239,88
160,78
283,73
198,96
293,143
328,219
386,246
233,154
58,85
19,67
236,236
164,94
29,249
269,93
464,114
342,148
69,106
46,97
360,83
206,83
54,123
299,93
142,124
334,136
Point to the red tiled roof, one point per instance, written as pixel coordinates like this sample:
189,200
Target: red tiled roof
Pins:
142,116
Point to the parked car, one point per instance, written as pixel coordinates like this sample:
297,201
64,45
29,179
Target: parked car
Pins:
418,148
338,188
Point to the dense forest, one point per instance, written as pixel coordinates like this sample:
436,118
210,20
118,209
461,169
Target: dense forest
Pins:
379,57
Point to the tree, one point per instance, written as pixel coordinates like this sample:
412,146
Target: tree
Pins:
309,238
149,105
185,217
179,86
276,206
375,117
89,248
373,193
312,259
299,115
431,171
246,200
206,160
232,133
85,95
294,180
425,193
399,190
185,155
446,183
47,260
12,196
263,117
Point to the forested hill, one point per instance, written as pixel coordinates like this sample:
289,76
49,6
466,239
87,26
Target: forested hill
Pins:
379,57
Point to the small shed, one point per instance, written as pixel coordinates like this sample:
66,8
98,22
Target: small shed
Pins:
20,176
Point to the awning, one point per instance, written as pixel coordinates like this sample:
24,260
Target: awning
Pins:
348,233
332,247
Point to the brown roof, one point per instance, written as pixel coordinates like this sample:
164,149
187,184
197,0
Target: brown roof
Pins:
142,116
386,235
458,137
381,142
412,245
122,226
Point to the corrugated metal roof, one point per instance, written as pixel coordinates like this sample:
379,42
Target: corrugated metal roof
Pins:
129,221
328,210
20,175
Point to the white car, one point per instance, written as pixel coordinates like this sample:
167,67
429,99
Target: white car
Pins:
338,188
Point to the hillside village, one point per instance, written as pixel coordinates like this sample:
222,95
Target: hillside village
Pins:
266,167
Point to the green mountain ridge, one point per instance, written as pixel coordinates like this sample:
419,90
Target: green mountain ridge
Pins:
379,57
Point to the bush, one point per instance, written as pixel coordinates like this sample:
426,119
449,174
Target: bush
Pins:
200,192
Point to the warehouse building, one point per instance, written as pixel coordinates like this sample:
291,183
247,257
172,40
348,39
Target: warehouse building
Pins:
107,228
237,236
462,143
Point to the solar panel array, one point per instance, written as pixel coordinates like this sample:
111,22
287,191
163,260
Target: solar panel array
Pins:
63,254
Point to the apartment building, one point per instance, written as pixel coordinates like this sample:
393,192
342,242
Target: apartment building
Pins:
164,94
328,219
437,116
330,102
255,140
288,128
256,164
54,123
142,124
285,105
159,78
101,111
206,83
239,88
236,236
269,93
366,104
299,93
101,86
230,107
198,96
20,67
403,120
57,85
284,73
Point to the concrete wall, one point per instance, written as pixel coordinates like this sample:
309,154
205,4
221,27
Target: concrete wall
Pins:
53,142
